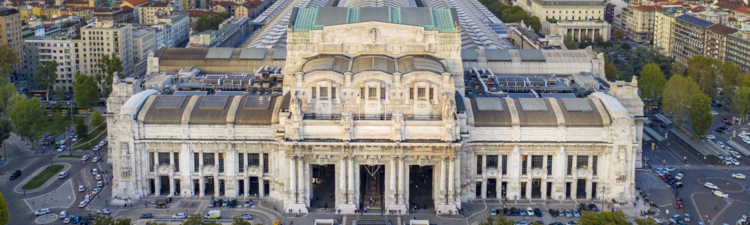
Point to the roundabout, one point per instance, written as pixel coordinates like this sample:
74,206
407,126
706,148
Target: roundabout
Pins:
725,185
46,219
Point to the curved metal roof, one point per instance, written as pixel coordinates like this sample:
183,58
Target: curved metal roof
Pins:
412,63
338,63
373,62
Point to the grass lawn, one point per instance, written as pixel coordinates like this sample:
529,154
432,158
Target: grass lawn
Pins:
43,177
91,144
68,156
56,126
92,134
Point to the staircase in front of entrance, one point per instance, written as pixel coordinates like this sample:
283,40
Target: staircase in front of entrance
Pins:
373,191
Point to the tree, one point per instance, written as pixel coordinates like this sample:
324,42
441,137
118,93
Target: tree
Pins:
26,115
96,118
82,129
569,42
109,64
598,39
122,221
46,77
4,214
8,92
642,56
103,220
6,128
625,46
604,217
741,102
59,93
8,58
700,114
501,220
534,23
618,35
677,96
86,90
608,44
702,69
651,82
194,219
210,22
610,71
239,221
646,221
731,76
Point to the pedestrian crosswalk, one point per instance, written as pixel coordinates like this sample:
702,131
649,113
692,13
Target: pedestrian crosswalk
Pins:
21,156
707,167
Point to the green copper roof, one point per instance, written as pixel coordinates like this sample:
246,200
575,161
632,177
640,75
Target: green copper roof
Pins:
429,18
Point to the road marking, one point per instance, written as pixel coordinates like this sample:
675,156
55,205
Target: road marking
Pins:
707,167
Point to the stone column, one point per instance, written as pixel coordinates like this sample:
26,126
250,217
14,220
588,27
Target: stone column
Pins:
393,168
246,192
574,183
293,178
401,180
483,193
451,178
443,177
528,177
216,177
301,179
350,196
589,178
261,186
172,187
544,177
342,179
202,186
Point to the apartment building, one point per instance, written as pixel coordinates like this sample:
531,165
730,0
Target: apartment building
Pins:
104,38
688,38
716,41
39,50
663,27
117,15
639,21
148,13
143,43
10,34
179,25
136,5
738,49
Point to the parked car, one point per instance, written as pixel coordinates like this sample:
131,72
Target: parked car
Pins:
493,212
147,216
81,188
68,219
576,214
710,137
679,176
728,123
593,207
15,175
568,213
538,212
687,217
94,171
96,159
96,190
43,211
98,177
99,184
553,212
179,216
721,144
211,203
63,214
248,203
529,211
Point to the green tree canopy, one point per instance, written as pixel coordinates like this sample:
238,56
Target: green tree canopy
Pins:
501,220
96,118
59,93
8,92
702,69
741,101
642,56
239,221
6,128
4,214
610,71
26,115
46,77
82,129
210,22
594,218
646,221
677,95
598,39
700,114
86,90
109,64
534,23
651,82
569,42
8,58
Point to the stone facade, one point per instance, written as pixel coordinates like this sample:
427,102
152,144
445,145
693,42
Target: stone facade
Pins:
367,94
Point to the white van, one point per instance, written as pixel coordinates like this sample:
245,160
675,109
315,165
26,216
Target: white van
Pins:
213,214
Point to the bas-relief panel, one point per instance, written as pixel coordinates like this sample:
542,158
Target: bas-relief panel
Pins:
585,134
161,131
362,33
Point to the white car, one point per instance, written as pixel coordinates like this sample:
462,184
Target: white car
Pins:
96,190
670,168
85,157
710,185
96,159
81,188
94,171
98,177
687,217
738,175
100,184
96,148
68,219
105,211
43,211
714,113
63,175
60,149
63,214
179,216
710,137
736,162
736,155
721,194
721,144
530,211
83,203
678,176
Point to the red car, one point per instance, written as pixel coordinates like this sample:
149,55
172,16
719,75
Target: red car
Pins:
678,205
728,123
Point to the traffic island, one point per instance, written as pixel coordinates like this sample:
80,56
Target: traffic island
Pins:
41,178
61,198
46,219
